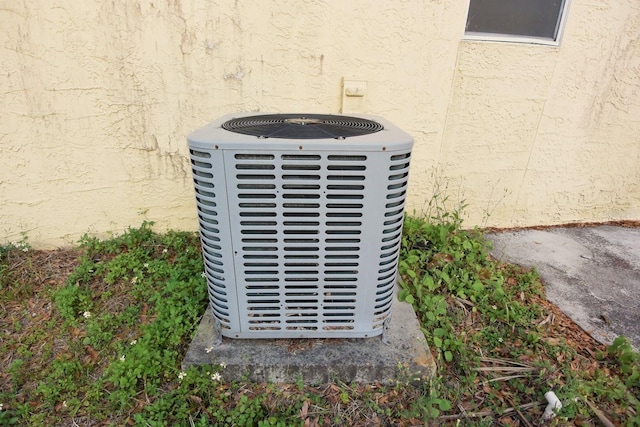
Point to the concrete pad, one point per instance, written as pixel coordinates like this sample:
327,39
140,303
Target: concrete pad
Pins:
320,361
591,273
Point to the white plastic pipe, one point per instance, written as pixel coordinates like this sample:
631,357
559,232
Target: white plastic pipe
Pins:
553,406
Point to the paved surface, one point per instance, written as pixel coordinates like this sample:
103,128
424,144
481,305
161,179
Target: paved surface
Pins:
319,361
591,273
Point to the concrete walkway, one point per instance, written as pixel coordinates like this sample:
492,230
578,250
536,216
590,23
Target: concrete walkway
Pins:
591,273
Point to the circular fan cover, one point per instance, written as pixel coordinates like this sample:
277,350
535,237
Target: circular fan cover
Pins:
302,126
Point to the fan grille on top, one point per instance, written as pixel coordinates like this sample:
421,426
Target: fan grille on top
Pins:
302,126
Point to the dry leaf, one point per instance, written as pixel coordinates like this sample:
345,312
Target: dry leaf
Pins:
93,353
195,399
553,341
304,410
507,421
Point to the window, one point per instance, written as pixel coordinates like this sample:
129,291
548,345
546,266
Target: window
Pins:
528,21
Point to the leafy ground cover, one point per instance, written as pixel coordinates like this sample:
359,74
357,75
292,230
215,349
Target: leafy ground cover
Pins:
95,335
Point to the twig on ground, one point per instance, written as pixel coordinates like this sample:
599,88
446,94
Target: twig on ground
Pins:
464,302
504,361
489,412
520,414
506,378
504,369
601,416
550,319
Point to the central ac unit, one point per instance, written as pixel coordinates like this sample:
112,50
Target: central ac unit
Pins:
301,220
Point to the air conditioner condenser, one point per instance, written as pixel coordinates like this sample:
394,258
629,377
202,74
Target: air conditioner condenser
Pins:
300,220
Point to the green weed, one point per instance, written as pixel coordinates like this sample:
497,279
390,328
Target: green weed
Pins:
108,348
481,318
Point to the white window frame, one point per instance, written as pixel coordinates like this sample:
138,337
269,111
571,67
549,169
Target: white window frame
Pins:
511,38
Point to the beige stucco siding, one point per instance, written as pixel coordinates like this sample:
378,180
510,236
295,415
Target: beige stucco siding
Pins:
97,97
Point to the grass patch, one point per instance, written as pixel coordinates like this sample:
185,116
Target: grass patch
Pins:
95,336
500,343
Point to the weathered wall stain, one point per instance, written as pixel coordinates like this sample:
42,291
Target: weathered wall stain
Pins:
96,100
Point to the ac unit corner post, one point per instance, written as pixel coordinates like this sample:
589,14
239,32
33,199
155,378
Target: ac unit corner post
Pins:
301,221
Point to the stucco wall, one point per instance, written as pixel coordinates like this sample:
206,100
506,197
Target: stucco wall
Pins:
96,99
544,135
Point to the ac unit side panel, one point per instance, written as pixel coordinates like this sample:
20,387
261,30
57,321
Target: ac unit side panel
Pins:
396,175
215,235
314,237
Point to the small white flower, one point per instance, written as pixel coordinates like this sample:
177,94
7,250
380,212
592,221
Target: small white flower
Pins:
1,406
500,339
134,280
182,375
223,365
64,403
494,307
122,358
25,249
146,265
86,314
208,349
165,250
216,376
203,274
134,342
